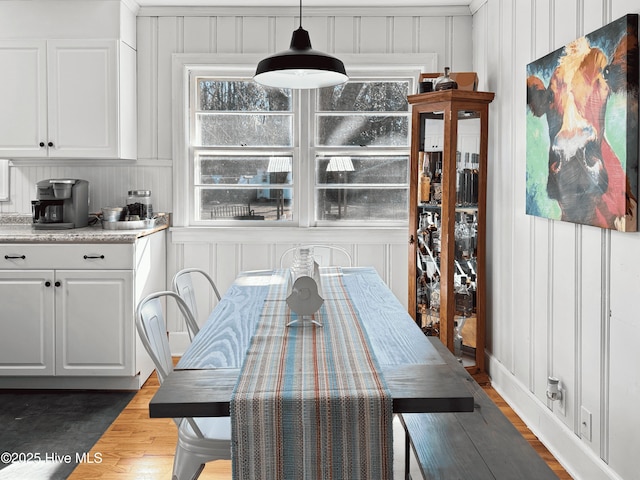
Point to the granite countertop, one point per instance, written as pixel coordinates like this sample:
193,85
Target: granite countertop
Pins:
18,229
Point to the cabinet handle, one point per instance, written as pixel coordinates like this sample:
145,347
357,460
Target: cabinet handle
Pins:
14,257
50,144
87,257
57,284
41,144
411,240
47,283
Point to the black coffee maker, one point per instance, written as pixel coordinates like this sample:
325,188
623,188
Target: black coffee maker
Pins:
61,203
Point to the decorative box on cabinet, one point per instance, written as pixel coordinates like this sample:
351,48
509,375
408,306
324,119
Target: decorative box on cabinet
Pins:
448,218
68,313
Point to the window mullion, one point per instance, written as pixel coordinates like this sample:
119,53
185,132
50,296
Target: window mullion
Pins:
305,158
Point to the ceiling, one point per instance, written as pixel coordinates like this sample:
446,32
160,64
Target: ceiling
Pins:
306,3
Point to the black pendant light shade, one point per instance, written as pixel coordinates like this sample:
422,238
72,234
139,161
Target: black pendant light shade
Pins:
300,66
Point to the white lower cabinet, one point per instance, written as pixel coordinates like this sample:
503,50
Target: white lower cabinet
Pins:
93,333
75,327
27,318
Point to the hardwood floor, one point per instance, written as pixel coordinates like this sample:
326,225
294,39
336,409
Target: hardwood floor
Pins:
484,381
138,447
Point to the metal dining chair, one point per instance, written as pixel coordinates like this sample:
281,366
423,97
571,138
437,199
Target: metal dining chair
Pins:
200,440
340,251
182,284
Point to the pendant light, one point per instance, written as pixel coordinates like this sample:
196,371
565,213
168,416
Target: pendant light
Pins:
300,66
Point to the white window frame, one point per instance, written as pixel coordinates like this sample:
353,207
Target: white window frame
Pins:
360,73
228,65
293,150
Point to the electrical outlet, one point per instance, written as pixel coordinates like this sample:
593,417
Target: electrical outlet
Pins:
585,423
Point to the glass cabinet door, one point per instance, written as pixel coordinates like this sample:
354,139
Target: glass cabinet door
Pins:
459,169
465,236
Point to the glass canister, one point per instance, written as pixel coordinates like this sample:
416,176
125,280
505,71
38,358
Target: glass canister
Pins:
303,263
139,204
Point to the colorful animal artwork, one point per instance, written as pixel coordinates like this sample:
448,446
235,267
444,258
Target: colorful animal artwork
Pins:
582,130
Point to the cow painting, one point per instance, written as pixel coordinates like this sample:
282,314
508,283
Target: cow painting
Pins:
582,130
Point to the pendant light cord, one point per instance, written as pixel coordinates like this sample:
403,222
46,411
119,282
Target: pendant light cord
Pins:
300,13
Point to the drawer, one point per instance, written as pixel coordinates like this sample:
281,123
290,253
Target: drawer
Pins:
82,256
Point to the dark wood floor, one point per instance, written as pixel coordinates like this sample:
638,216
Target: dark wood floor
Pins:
136,446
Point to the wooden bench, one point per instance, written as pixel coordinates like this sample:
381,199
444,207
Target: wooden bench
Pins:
478,445
236,212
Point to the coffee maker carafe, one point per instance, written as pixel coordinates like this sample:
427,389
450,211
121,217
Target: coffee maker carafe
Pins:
61,203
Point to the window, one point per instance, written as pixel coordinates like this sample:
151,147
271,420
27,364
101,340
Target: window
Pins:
326,157
236,177
362,151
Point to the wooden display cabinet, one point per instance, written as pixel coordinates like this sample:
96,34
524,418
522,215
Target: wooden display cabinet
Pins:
448,219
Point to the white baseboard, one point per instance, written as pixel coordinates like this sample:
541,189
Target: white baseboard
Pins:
579,461
54,382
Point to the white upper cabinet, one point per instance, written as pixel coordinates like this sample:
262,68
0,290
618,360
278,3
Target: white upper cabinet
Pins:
23,94
69,98
83,95
64,99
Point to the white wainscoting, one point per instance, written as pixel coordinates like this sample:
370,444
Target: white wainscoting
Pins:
225,252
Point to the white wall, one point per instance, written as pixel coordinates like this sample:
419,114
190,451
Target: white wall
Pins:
162,32
562,296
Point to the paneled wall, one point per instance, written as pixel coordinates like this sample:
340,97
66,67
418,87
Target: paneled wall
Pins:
163,32
562,296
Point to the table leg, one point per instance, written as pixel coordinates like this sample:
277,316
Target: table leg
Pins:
407,457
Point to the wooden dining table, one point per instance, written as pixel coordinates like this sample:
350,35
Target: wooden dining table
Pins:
204,378
415,374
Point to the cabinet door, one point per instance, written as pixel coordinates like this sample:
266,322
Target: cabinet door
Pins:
94,322
26,320
23,97
83,98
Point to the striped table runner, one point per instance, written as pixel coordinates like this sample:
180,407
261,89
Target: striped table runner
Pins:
309,403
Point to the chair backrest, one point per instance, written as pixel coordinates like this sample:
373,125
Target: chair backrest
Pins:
340,255
152,329
182,284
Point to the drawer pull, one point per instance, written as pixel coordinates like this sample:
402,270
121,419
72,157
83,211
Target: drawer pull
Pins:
14,257
87,257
